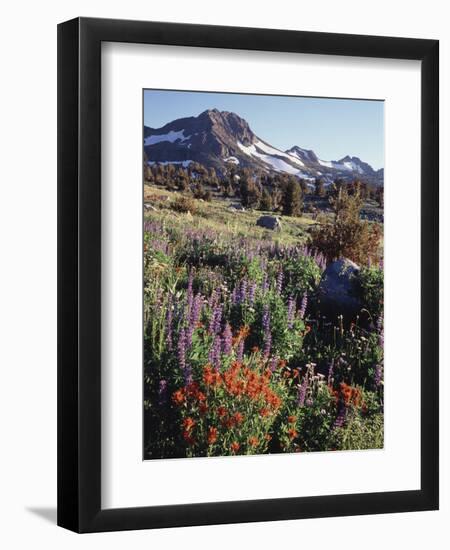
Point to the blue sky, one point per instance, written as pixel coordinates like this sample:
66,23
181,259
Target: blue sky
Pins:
333,128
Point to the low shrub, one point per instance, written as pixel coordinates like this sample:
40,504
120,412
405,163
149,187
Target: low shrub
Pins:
348,236
184,204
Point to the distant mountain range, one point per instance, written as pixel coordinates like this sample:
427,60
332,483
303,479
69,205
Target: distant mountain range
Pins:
216,138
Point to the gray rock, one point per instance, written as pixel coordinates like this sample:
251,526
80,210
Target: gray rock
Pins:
269,222
150,207
236,206
338,289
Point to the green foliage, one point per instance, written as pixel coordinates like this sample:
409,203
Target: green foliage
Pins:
371,287
316,419
353,353
300,275
359,433
286,340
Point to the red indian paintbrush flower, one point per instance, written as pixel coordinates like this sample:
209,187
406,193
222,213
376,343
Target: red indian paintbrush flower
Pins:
188,423
221,411
235,446
178,397
212,435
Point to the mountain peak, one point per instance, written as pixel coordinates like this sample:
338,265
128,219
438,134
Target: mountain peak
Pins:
226,125
209,113
224,118
216,138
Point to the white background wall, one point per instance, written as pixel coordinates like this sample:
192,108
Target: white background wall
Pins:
28,270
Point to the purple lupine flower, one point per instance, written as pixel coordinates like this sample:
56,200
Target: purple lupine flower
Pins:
243,291
267,344
227,340
215,320
240,351
251,293
378,374
214,352
194,317
273,363
291,312
213,298
302,391
340,419
380,331
266,330
169,318
162,392
181,347
380,324
321,261
235,295
187,374
266,318
280,278
239,293
303,305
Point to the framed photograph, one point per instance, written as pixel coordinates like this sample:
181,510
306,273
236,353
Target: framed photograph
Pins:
248,275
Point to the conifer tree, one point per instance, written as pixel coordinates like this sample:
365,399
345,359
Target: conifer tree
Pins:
249,191
319,187
266,200
292,198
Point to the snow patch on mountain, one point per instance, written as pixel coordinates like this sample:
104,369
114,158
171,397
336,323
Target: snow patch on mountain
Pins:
249,150
335,165
184,163
273,161
233,160
171,136
353,166
278,164
345,165
276,152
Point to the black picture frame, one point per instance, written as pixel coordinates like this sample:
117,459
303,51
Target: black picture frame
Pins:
79,274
